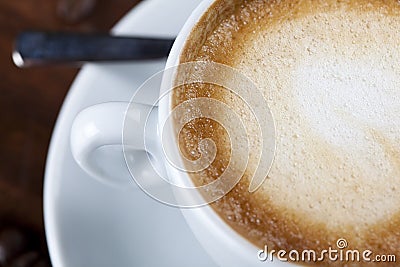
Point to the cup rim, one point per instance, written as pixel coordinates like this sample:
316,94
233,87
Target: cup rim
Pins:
204,214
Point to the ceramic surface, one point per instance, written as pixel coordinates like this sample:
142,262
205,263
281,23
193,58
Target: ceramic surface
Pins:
91,224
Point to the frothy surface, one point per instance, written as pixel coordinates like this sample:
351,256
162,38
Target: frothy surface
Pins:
330,73
334,94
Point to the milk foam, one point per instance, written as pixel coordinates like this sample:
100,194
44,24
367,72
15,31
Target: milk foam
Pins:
333,88
329,70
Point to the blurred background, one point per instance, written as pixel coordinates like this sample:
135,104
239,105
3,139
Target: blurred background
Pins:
30,100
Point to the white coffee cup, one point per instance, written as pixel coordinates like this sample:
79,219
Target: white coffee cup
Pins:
102,126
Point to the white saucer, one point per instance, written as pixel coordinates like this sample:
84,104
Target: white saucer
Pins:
90,224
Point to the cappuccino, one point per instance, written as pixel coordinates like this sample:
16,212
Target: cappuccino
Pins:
329,71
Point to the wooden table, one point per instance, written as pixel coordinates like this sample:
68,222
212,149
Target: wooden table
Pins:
29,103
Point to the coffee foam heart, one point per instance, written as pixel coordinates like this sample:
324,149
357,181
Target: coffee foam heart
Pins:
333,89
330,73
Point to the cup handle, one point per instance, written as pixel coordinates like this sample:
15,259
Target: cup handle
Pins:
97,142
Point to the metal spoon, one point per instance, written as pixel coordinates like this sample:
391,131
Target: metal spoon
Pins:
42,48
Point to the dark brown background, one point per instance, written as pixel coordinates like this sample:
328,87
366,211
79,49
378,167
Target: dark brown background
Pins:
31,98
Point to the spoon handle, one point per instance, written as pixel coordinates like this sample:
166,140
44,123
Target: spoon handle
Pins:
43,48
